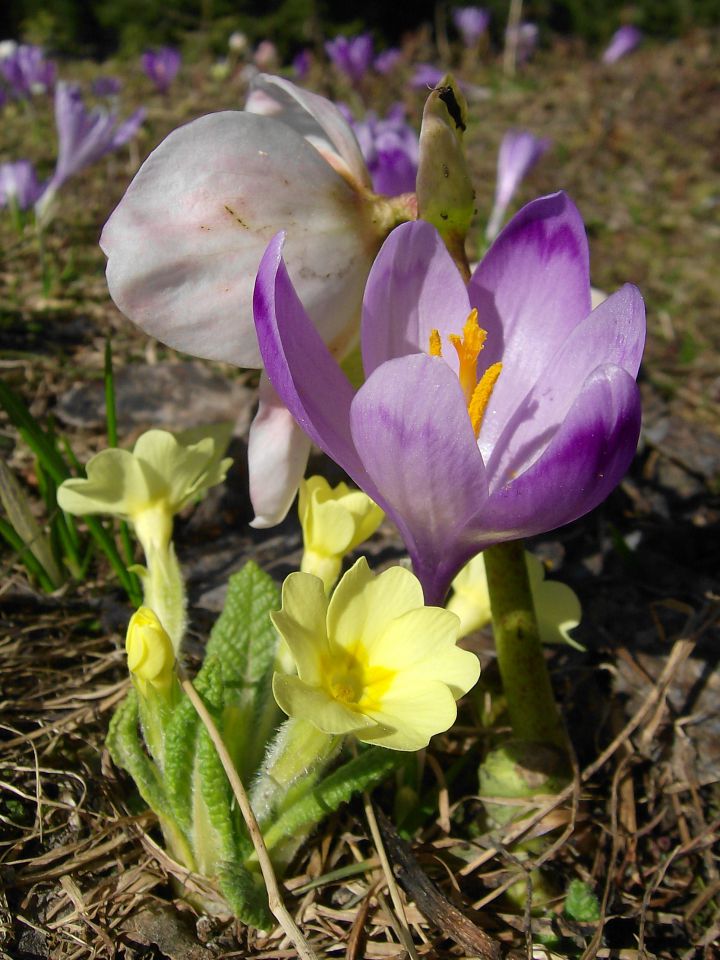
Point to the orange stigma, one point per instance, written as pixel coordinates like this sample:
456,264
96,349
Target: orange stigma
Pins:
468,347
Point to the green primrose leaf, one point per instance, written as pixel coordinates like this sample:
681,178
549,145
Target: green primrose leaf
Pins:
245,641
128,752
246,896
581,904
243,638
361,773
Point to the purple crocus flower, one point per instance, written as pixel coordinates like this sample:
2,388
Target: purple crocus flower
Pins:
471,23
623,42
84,136
526,40
351,55
106,86
390,148
426,77
459,457
26,71
519,151
301,63
386,61
19,184
161,66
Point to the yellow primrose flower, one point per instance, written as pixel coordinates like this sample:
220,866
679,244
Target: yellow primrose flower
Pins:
151,658
151,484
334,521
373,660
557,607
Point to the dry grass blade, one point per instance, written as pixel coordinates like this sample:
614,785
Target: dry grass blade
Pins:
275,900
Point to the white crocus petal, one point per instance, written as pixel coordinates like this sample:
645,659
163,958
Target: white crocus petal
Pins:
316,119
185,242
278,452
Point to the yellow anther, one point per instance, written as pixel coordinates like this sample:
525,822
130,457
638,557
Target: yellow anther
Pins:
481,396
435,348
468,347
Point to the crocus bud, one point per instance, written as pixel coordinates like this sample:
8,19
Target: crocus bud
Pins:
151,659
444,190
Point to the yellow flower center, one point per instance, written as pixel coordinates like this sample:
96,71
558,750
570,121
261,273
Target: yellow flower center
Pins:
353,681
468,347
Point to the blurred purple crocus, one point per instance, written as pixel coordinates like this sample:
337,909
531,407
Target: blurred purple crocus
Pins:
84,136
301,63
390,148
623,41
426,76
19,185
27,72
519,151
464,454
106,86
386,61
526,40
471,23
351,55
161,66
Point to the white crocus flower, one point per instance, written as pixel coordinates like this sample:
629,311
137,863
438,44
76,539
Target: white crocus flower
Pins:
186,240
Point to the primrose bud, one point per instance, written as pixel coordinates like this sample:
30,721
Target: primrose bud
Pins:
151,658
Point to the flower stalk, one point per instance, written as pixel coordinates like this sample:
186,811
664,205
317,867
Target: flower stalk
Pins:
533,713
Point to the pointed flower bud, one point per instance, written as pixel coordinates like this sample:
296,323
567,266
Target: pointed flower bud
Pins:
334,521
373,661
557,607
445,194
151,658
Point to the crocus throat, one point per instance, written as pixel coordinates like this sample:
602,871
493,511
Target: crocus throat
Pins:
468,347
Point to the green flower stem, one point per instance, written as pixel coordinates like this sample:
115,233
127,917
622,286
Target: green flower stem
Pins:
533,713
292,765
164,590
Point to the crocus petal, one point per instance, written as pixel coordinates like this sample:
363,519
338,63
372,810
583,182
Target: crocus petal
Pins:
315,118
299,699
415,282
614,331
411,428
313,387
278,452
584,461
185,242
301,623
531,290
364,604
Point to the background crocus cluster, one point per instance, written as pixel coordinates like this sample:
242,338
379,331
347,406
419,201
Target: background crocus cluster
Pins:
390,148
84,136
519,151
352,56
161,66
19,185
471,23
623,42
26,71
